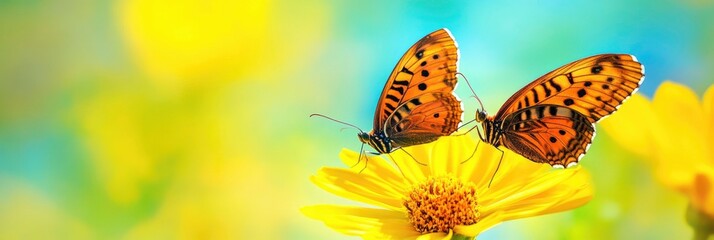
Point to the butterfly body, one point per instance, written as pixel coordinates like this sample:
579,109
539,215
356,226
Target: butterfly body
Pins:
551,120
376,140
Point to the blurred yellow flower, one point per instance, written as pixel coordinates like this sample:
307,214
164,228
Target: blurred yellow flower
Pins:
192,43
675,133
188,40
446,199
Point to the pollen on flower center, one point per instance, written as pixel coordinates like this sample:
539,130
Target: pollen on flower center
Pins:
440,203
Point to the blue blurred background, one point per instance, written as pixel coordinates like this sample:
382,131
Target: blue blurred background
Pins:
189,119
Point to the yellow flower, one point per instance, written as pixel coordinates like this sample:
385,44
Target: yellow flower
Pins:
444,198
675,133
187,44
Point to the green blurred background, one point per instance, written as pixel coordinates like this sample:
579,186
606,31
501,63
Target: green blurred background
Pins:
189,119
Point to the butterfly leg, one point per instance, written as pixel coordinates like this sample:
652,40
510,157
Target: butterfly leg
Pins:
477,144
472,154
366,160
497,167
467,132
405,151
395,163
359,159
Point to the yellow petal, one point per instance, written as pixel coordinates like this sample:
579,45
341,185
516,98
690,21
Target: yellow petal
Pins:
359,221
412,163
482,225
374,166
558,190
708,108
474,160
629,126
447,155
363,188
681,147
485,163
513,170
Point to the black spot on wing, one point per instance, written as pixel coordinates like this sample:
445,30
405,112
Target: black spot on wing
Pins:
420,54
405,70
422,86
581,93
596,69
568,102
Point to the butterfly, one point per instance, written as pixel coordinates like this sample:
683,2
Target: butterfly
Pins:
552,119
417,104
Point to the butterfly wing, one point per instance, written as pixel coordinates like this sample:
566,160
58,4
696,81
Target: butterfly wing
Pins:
551,119
551,134
594,86
429,66
424,119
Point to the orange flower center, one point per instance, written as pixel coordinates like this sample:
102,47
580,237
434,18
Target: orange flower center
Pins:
440,203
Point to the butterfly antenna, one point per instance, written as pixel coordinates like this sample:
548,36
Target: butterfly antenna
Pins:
472,90
351,125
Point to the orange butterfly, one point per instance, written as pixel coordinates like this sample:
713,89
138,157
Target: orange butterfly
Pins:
552,119
417,104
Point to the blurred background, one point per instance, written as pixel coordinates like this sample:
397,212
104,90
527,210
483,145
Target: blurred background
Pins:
189,119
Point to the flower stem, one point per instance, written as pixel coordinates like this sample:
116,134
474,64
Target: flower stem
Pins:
701,223
700,235
457,236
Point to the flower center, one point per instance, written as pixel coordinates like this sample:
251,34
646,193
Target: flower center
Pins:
440,203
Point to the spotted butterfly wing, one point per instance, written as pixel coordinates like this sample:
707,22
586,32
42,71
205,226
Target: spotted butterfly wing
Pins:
548,134
424,119
551,120
417,104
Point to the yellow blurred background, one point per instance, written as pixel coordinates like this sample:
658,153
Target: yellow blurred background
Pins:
189,119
